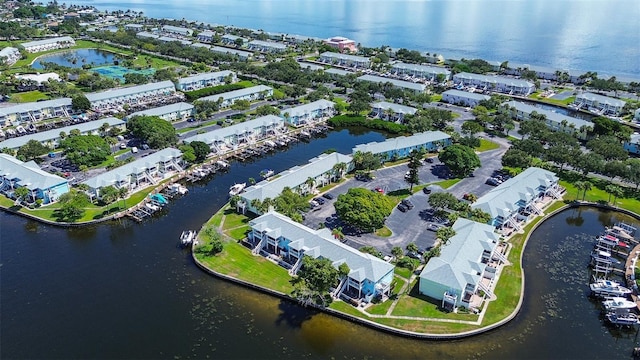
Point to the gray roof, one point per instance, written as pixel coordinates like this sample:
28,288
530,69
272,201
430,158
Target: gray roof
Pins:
551,116
501,200
177,29
295,176
171,39
132,90
348,57
338,71
268,44
601,99
422,68
232,37
8,51
163,110
47,41
394,82
207,33
29,174
635,139
310,66
221,133
320,243
307,108
460,260
237,93
397,108
135,167
34,106
467,95
224,50
145,34
205,76
493,79
402,142
201,45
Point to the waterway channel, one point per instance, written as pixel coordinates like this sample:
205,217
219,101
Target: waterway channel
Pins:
124,290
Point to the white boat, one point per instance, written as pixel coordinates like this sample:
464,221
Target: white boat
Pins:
237,189
151,207
2,134
266,173
187,237
628,319
176,188
605,287
618,303
602,256
222,164
20,130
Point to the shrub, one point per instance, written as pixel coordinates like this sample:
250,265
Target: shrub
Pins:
349,120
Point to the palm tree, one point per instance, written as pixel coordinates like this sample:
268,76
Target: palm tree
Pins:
337,233
358,158
617,192
580,185
122,194
340,168
584,186
444,234
310,183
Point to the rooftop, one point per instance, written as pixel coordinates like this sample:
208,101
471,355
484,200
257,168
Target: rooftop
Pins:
402,142
205,76
237,93
601,99
494,79
29,173
348,57
394,82
132,90
269,44
47,41
467,95
551,115
338,71
422,68
247,126
397,108
163,110
34,106
308,108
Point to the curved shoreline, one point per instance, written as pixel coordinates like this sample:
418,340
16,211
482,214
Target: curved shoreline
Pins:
413,334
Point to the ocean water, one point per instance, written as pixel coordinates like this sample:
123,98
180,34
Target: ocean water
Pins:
581,35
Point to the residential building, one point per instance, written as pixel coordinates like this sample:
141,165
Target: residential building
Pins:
51,138
405,85
243,55
48,44
41,185
229,39
139,94
35,111
636,115
228,138
310,66
369,277
39,78
632,146
173,112
147,35
172,39
320,168
267,46
465,271
420,71
199,81
309,113
345,60
391,111
9,56
401,147
341,43
259,92
300,39
134,27
206,36
463,98
140,173
599,104
334,72
517,199
554,121
175,30
500,84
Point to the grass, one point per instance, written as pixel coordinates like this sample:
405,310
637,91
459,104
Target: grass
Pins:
416,305
487,145
233,220
145,61
29,96
599,195
346,308
436,98
384,232
239,233
536,97
445,184
340,102
403,272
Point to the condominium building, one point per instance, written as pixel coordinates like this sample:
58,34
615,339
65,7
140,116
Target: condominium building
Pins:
229,39
405,85
309,113
345,60
243,55
463,98
206,36
173,112
632,146
341,43
494,83
134,27
35,111
267,46
48,44
259,92
139,94
176,30
199,81
9,56
391,111
402,146
420,71
278,236
465,271
554,121
41,185
599,104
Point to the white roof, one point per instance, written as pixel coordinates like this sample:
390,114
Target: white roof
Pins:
551,116
47,41
394,82
145,34
247,126
163,110
268,44
177,29
502,200
224,50
48,135
635,139
205,76
132,90
460,260
494,79
40,78
338,71
601,99
308,108
295,176
34,106
466,95
8,51
237,93
402,142
422,68
29,174
397,108
348,57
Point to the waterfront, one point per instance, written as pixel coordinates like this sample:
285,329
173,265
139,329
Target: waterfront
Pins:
568,34
76,58
123,290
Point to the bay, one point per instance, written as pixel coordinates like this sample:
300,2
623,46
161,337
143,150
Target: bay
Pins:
581,35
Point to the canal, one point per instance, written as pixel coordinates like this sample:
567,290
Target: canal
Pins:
124,290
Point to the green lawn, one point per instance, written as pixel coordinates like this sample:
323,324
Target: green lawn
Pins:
144,61
445,184
239,233
436,98
233,219
486,145
346,308
535,96
596,194
416,305
403,272
384,232
29,96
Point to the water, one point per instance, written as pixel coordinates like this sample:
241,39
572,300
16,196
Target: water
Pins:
123,290
77,58
597,35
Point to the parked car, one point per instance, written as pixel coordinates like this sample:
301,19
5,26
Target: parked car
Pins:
402,207
327,196
492,182
123,146
319,200
313,203
426,190
134,149
414,255
433,227
379,189
407,203
429,160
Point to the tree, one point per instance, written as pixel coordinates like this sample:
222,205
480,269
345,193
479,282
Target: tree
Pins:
154,131
516,158
583,186
412,247
589,162
20,193
200,149
80,103
415,162
366,161
337,233
188,154
31,150
267,110
442,200
89,150
310,184
109,194
364,209
460,159
609,147
340,169
288,203
533,127
316,276
471,128
632,174
72,206
397,252
445,233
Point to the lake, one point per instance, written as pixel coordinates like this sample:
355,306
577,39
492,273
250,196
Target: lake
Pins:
123,290
76,58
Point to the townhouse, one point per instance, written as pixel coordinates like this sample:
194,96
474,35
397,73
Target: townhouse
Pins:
405,85
496,83
9,56
41,185
48,44
632,146
176,30
309,113
243,55
345,60
199,81
229,39
35,111
391,111
258,92
206,36
463,98
401,146
421,71
554,121
598,104
173,112
140,94
266,46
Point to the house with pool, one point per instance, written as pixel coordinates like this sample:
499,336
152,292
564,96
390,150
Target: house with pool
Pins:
465,272
41,184
310,113
282,239
401,146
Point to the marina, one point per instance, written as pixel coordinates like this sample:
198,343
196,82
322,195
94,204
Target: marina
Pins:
187,237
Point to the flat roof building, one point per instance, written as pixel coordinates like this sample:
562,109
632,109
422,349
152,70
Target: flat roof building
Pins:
199,81
420,71
173,112
9,55
407,85
258,92
463,98
48,44
500,84
244,55
345,60
554,121
41,185
176,30
401,146
267,46
309,113
131,95
35,111
599,104
341,43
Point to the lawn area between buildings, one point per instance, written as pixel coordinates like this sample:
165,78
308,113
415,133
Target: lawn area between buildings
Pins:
487,145
29,96
564,103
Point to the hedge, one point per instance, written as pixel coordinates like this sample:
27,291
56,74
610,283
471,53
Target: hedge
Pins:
349,120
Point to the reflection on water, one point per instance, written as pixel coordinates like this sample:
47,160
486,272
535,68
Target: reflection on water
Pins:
76,58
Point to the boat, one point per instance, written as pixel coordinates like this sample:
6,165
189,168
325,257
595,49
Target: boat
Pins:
605,287
152,207
627,319
608,241
222,164
20,130
187,237
237,189
603,256
177,188
618,303
266,173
